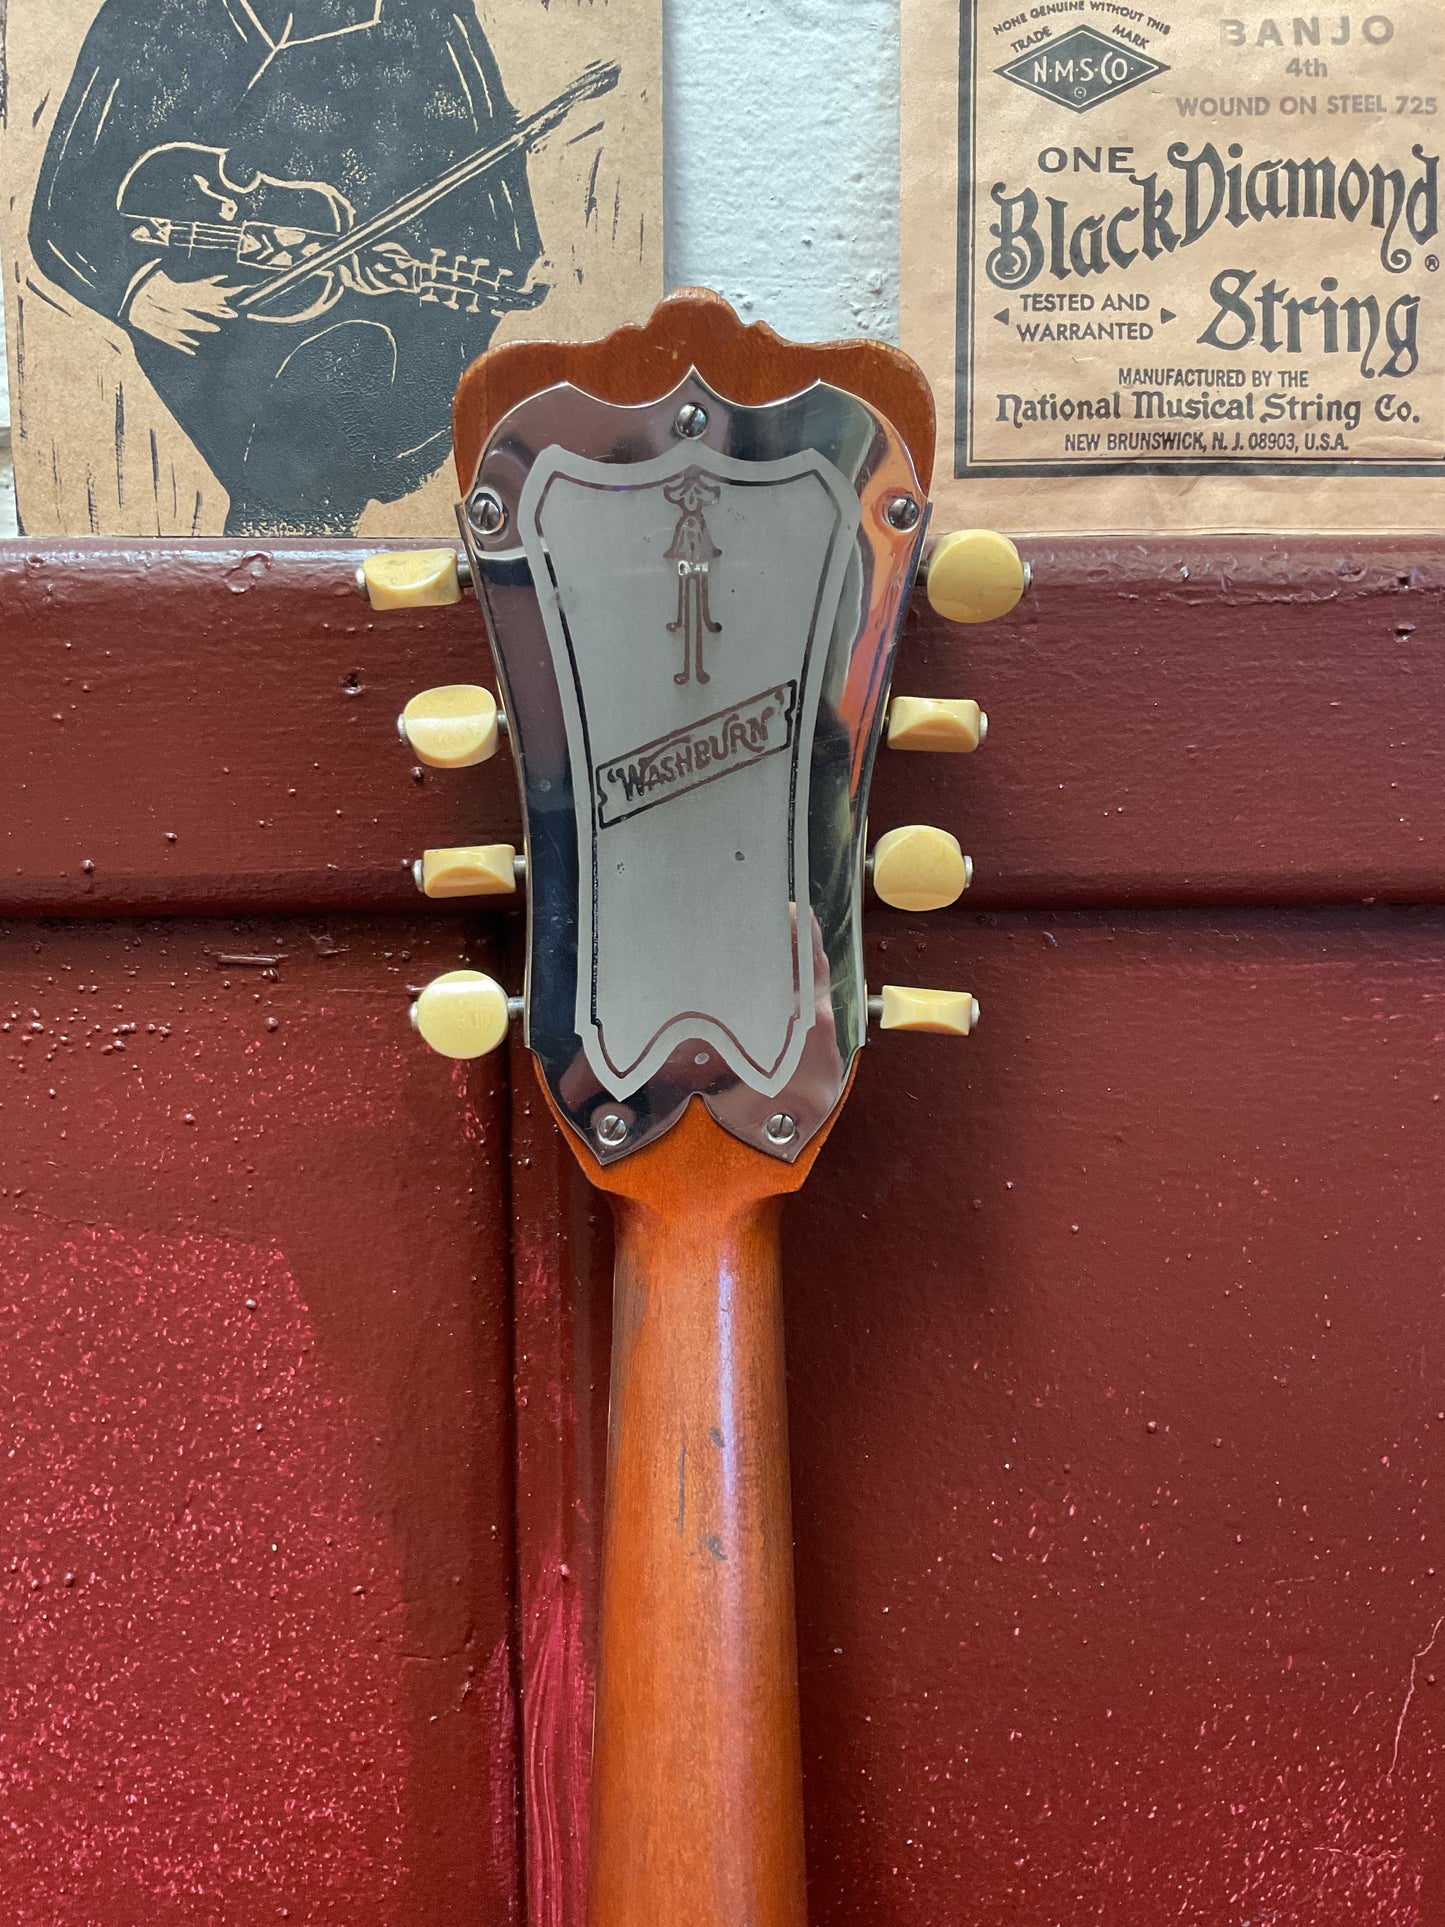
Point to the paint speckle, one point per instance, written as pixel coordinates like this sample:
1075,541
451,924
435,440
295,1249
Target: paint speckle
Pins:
193,1724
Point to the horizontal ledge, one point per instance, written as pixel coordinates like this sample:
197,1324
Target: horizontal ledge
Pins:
1197,721
225,896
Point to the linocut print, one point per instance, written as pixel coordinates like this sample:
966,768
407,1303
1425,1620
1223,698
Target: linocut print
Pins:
250,245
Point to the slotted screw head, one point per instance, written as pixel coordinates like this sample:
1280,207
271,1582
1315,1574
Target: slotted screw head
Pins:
486,512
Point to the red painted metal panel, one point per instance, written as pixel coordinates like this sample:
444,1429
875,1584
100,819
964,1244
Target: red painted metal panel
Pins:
562,1253
1118,1416
1058,1666
211,728
256,1578
1219,721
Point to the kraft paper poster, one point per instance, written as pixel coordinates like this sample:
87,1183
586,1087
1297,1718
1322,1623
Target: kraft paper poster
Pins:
1172,266
250,244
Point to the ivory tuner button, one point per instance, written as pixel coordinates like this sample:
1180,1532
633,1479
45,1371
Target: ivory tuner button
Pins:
411,579
477,870
975,576
453,727
945,1013
462,1014
920,868
928,722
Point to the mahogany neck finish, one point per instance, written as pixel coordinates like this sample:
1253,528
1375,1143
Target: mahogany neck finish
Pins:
697,1797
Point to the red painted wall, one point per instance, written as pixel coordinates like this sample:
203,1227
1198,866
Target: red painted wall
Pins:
256,1570
1115,1356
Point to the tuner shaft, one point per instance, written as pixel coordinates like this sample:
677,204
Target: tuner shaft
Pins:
414,579
476,870
945,1013
454,727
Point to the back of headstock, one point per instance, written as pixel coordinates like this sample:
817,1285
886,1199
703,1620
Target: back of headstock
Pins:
695,544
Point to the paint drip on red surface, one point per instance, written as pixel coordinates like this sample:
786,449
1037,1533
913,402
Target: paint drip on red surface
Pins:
200,1720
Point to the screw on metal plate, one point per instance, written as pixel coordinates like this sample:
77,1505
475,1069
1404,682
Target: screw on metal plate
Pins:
486,512
691,421
902,513
781,1128
611,1129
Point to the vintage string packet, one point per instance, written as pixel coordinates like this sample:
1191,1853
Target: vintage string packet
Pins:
1178,267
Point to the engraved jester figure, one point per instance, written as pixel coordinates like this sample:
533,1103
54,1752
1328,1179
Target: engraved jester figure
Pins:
694,552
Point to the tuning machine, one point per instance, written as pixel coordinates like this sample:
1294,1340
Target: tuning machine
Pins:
943,1013
970,576
464,1014
975,575
455,726
414,579
934,723
473,870
919,867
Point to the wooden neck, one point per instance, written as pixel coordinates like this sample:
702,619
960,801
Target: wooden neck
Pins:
697,1778
697,1798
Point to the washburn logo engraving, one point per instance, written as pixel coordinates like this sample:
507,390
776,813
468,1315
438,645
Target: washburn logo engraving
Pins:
731,739
1209,188
694,552
1081,69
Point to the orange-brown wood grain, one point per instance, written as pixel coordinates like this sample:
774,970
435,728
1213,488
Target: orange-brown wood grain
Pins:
697,1799
744,362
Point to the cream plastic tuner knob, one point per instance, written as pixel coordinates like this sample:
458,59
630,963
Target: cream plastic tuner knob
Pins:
411,579
928,722
947,1013
478,870
975,575
453,727
462,1014
920,868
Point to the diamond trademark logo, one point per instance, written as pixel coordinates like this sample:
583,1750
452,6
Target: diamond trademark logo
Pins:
1081,69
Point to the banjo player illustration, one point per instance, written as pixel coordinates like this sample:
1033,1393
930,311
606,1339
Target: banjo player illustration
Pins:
309,216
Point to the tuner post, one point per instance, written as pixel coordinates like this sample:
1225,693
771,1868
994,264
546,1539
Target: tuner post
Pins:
474,870
464,1014
932,723
454,727
414,579
942,1013
919,867
975,575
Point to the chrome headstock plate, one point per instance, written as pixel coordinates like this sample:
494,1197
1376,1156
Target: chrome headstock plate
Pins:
694,606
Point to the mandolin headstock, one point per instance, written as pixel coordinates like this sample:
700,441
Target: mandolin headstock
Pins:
694,544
